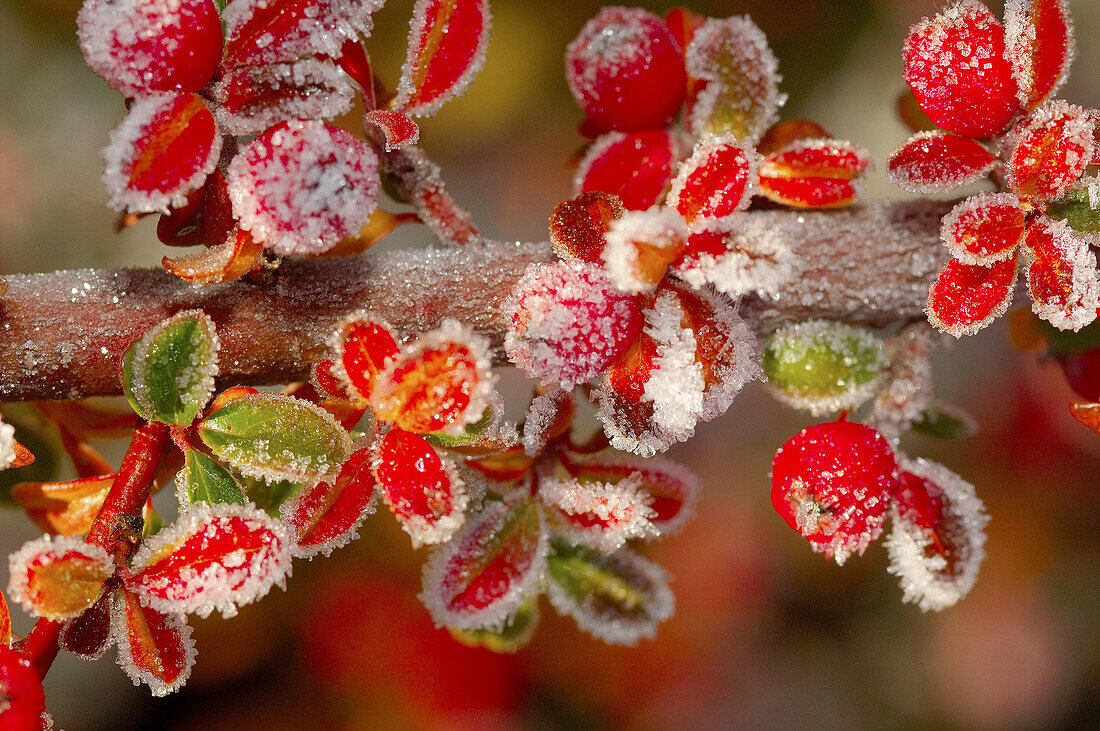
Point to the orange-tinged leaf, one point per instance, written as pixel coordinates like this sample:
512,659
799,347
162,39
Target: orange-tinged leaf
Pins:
381,224
814,173
984,228
640,247
326,516
1061,274
363,345
1024,331
88,421
1050,151
65,508
716,180
87,461
153,648
508,466
937,161
1087,414
258,32
5,622
22,458
225,262
786,133
58,577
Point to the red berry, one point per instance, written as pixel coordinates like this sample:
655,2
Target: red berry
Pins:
833,483
21,699
626,70
139,46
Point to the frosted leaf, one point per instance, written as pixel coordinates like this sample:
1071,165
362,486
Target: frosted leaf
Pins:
984,228
327,516
420,486
229,260
567,322
907,390
738,254
447,42
550,415
67,507
1061,275
253,98
637,167
676,385
578,226
1049,151
717,180
162,150
823,367
935,162
58,577
517,631
937,543
398,128
88,635
1040,46
139,46
620,598
7,445
625,69
600,515
363,344
261,32
965,298
815,173
481,576
741,95
301,187
202,479
641,245
153,648
955,64
219,556
439,383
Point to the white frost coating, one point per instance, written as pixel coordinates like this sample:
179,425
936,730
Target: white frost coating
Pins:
737,363
907,388
232,581
321,32
751,87
1075,255
925,580
702,160
336,342
118,159
301,188
621,511
934,173
1065,160
322,491
1020,42
659,228
676,384
958,331
973,212
757,260
42,552
137,672
441,529
305,89
411,68
197,382
541,416
443,580
606,624
7,445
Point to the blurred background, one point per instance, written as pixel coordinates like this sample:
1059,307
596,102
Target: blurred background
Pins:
766,633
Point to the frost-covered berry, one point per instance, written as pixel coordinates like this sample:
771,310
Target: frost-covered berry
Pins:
151,45
567,322
834,483
21,699
626,70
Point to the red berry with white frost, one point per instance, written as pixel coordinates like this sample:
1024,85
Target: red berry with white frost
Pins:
626,70
21,699
833,483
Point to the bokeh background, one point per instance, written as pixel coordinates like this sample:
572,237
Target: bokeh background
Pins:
766,634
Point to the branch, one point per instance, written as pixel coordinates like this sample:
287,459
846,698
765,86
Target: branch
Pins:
62,335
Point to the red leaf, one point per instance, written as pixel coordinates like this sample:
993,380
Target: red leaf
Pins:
161,151
253,98
58,577
814,173
5,622
205,219
966,297
300,187
447,41
489,569
578,226
1039,36
327,515
225,262
1050,151
637,167
716,180
732,255
399,129
153,648
363,346
261,32
984,228
601,515
21,688
152,45
421,489
218,556
955,64
88,636
1061,275
935,161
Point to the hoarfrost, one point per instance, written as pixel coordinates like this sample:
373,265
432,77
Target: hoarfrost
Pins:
676,384
321,29
95,567
717,180
639,246
984,228
254,98
907,390
7,445
543,415
601,515
136,661
756,259
1061,275
1023,48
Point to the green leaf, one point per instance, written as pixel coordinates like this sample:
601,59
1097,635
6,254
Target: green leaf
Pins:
1077,211
469,434
168,375
943,421
204,480
518,630
153,522
823,366
34,433
275,437
270,496
619,597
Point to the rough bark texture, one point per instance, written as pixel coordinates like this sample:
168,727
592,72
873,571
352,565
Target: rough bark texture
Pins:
62,334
